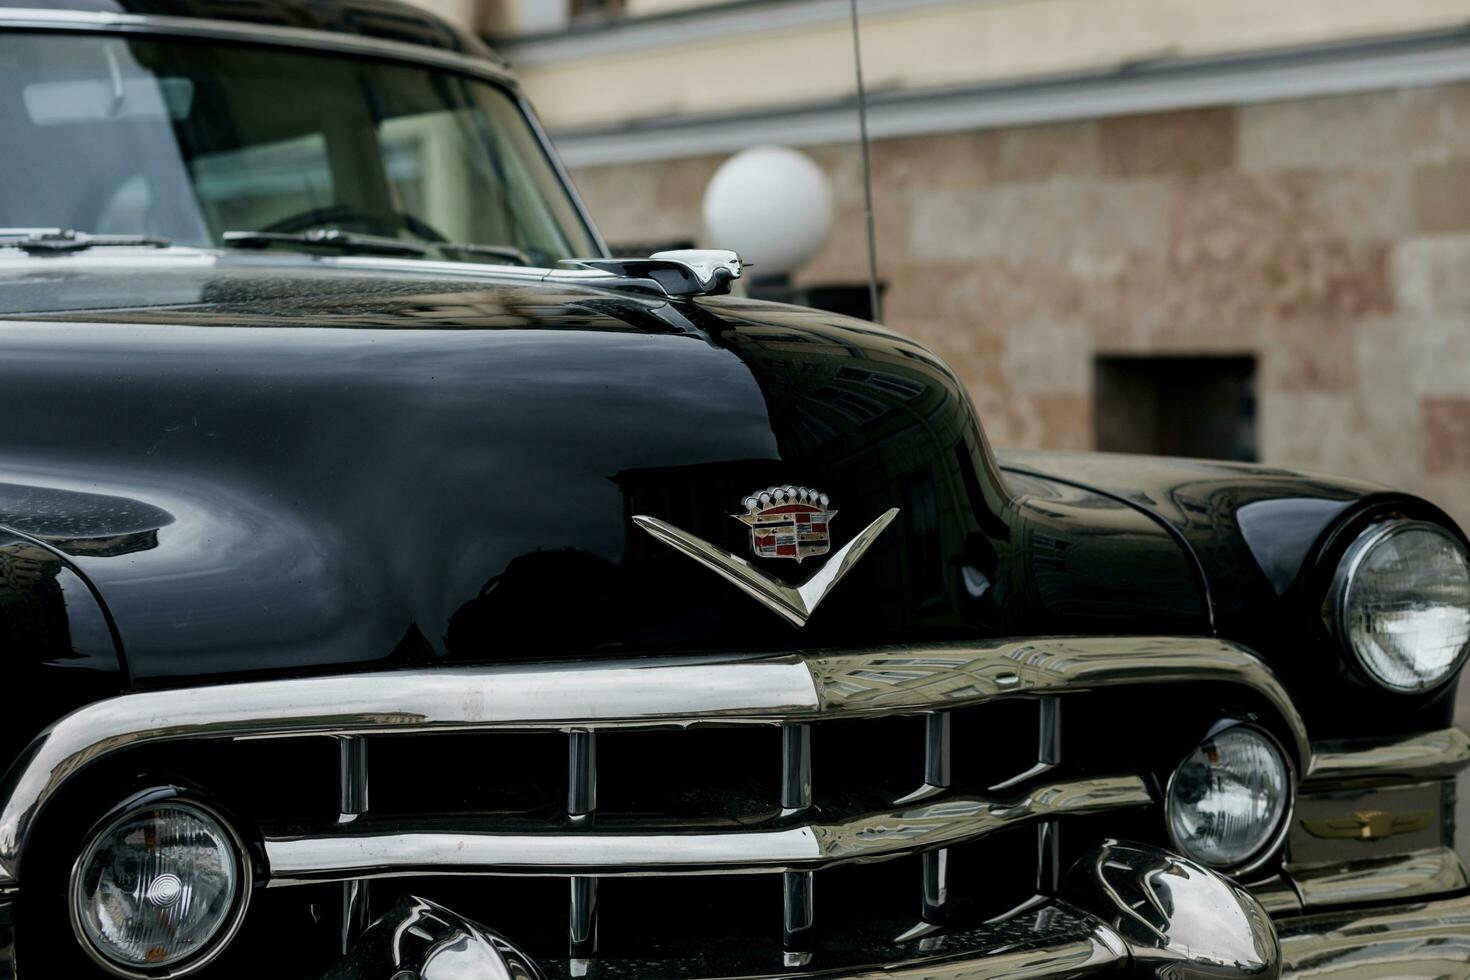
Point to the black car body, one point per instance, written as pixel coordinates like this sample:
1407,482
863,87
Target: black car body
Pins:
277,529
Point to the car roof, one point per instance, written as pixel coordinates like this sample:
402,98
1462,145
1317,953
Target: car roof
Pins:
387,20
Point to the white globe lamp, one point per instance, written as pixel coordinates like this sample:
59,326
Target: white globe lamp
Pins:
771,204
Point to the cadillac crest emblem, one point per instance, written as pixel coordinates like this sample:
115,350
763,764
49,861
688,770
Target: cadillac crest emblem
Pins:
787,522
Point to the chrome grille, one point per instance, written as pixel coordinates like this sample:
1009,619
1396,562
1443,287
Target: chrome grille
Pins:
807,830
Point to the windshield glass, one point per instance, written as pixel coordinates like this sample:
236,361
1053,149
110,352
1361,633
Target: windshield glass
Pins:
188,140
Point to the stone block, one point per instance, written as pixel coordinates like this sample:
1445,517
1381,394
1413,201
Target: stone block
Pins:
1049,357
1364,130
1312,354
1376,130
1046,221
946,160
1192,141
1306,430
1064,421
1031,153
1229,214
1444,435
1442,196
1431,274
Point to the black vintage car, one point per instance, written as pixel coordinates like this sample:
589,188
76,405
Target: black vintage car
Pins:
384,596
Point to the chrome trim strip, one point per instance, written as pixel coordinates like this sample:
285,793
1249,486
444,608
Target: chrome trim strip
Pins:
28,18
1433,755
1426,940
1416,875
647,693
361,852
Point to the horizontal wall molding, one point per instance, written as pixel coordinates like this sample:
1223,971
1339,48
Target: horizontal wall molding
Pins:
719,22
1407,61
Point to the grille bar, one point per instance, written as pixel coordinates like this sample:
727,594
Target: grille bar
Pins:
385,848
353,803
798,916
796,768
581,805
1048,832
937,750
797,912
934,899
583,942
938,771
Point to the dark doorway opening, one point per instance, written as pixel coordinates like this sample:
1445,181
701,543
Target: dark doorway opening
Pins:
1176,406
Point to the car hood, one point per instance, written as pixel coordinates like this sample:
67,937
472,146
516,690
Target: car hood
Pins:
284,465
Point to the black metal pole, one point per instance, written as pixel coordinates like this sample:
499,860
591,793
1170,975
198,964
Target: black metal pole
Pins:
862,96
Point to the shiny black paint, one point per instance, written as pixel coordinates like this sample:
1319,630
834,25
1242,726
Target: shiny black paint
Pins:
281,464
56,642
1268,541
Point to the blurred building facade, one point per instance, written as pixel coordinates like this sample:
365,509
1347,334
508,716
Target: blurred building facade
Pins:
1229,226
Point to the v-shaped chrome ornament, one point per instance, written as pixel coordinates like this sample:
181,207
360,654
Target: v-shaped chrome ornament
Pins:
793,603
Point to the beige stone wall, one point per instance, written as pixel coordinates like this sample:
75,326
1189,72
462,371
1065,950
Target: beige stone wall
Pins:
924,45
1328,237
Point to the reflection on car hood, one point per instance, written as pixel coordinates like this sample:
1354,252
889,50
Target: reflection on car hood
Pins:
311,465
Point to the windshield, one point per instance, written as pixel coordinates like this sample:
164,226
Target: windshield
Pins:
189,140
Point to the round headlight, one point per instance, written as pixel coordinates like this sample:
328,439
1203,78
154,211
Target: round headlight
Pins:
160,889
1229,798
1402,604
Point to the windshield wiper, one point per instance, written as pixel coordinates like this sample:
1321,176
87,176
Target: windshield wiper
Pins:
345,241
353,242
42,240
507,252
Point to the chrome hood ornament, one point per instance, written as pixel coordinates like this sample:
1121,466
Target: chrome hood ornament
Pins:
784,522
681,274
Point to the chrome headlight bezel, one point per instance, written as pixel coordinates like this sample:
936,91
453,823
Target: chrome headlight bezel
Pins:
163,796
1340,594
1273,842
